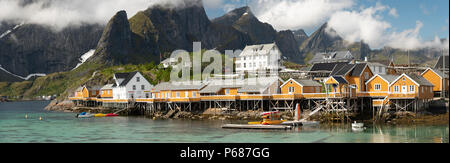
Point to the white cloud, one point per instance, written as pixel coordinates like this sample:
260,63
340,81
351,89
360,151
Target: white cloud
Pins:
393,12
365,25
296,14
368,25
59,14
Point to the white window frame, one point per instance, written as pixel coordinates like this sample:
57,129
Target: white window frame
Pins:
291,90
186,94
377,88
138,79
227,91
194,94
396,89
134,87
178,94
412,88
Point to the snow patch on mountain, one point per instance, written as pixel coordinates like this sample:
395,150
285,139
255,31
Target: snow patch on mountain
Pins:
85,57
21,77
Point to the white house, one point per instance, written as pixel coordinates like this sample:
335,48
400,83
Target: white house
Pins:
169,62
131,86
259,57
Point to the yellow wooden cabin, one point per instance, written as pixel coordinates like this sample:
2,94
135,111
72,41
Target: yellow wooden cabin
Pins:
87,92
296,86
437,78
349,79
177,92
378,85
106,91
411,86
337,86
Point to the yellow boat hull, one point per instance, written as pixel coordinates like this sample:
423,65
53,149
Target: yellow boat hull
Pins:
99,115
273,122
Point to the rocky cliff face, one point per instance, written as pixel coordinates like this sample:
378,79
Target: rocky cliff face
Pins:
243,20
37,49
323,39
116,41
300,36
288,46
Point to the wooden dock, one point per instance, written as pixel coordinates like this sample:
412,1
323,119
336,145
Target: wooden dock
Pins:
301,123
261,127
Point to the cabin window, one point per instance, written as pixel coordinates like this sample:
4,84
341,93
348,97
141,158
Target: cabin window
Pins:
291,90
147,95
169,95
377,87
178,94
93,92
227,91
317,89
245,65
396,88
423,90
194,94
411,88
138,79
142,87
186,94
404,79
132,96
134,87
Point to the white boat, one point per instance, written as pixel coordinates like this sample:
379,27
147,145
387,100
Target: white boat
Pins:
358,126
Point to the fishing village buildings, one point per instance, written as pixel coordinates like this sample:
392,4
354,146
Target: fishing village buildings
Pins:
335,86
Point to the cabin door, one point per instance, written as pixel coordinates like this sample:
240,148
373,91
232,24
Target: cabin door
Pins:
404,89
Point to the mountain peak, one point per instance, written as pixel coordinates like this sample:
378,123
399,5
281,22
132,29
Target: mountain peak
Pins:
116,40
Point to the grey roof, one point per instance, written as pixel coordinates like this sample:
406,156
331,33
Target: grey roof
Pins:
340,79
439,63
376,64
342,69
217,85
327,66
353,69
308,83
252,89
94,87
389,78
128,78
108,86
358,69
420,80
121,75
259,47
337,56
174,86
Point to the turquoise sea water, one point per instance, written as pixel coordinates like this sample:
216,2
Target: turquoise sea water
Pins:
56,127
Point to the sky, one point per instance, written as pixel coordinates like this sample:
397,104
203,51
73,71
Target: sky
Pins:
406,24
432,13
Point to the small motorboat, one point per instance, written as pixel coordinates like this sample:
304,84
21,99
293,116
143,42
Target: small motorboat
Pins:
358,126
84,115
112,115
99,115
269,118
